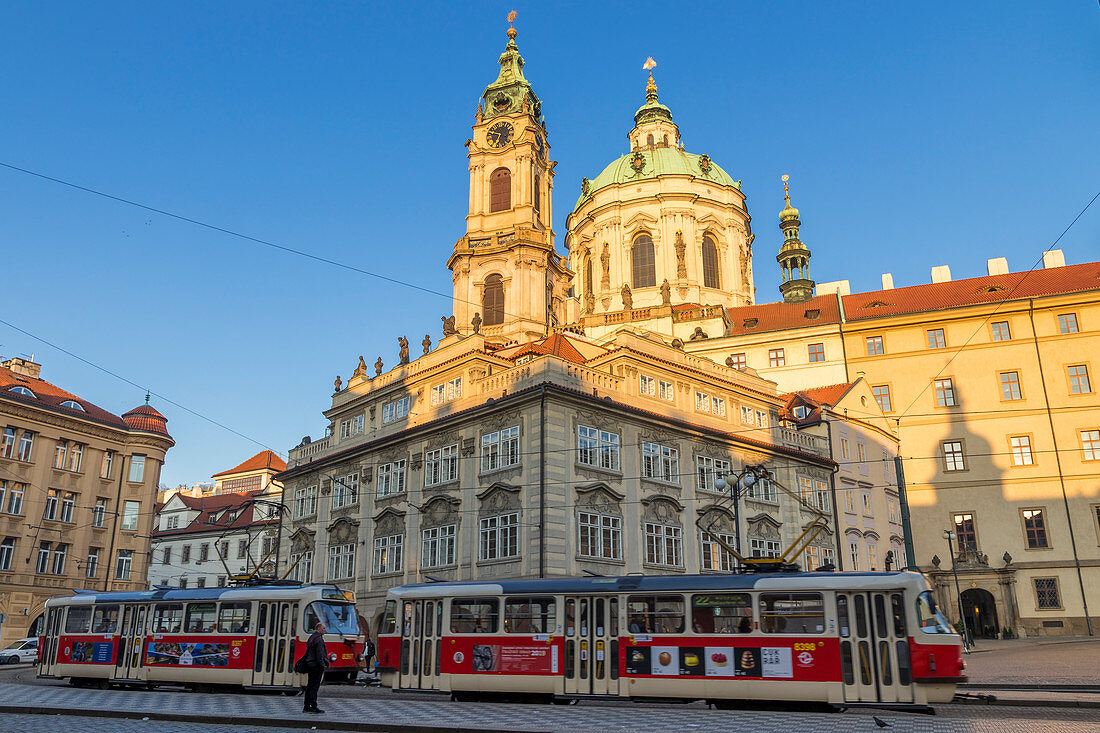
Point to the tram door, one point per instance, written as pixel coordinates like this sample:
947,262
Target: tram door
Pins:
48,651
874,647
131,639
591,645
421,629
276,626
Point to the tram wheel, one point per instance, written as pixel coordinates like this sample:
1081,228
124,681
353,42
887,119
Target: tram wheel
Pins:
564,701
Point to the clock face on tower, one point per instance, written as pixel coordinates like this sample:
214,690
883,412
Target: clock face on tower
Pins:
539,145
499,135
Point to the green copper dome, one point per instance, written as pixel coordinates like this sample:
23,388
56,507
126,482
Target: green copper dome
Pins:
788,213
654,163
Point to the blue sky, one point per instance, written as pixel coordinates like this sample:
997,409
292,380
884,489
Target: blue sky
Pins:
915,135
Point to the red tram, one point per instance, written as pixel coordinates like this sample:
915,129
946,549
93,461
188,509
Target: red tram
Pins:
841,639
248,636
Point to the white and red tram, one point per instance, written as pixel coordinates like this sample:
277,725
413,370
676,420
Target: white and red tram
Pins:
248,636
841,639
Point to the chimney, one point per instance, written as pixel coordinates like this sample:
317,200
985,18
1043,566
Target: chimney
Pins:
941,274
844,287
1053,258
996,266
887,281
23,367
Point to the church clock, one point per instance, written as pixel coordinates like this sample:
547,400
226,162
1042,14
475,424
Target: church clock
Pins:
499,135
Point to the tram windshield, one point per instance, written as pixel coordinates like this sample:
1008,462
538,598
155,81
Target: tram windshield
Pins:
929,616
338,618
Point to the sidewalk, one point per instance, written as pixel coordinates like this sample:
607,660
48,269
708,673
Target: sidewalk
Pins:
1037,662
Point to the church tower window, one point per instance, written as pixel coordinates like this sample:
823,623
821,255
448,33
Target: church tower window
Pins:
588,286
644,267
711,277
649,140
492,301
500,190
538,193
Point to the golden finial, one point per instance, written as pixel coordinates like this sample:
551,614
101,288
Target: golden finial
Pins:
649,65
786,189
511,25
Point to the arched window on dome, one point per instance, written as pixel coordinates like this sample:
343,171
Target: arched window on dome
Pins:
492,301
649,140
588,287
711,274
644,267
538,193
500,190
664,141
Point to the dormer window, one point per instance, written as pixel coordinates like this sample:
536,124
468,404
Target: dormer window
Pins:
750,322
73,405
23,391
812,314
801,411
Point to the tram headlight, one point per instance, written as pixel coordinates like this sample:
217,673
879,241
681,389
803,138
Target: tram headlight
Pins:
332,657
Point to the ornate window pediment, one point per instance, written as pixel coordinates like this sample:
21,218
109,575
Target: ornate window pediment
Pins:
440,510
871,534
764,526
389,521
662,509
599,497
302,539
499,498
641,221
342,530
717,519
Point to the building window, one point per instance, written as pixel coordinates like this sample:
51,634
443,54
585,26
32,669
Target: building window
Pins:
709,403
868,511
882,397
598,448
953,459
872,557
7,551
708,470
76,453
185,553
500,449
663,545
1046,593
874,346
91,566
108,461
1021,450
441,465
1090,445
1035,529
665,390
499,537
437,546
845,448
221,581
60,555
26,445
305,501
183,582
817,352
861,452
124,565
763,548
945,393
130,510
714,555
302,564
761,419
660,462
711,273
242,549
644,270
341,561
204,552
68,503
966,534
223,549
647,386
492,300
893,511
853,555
747,416
51,504
200,582
137,469
7,447
1067,323
351,427
500,190
776,358
391,478
538,194
1001,331
395,410
447,391
936,339
764,490
1010,386
59,454
388,554
15,498
849,501
600,536
740,361
345,490
1079,379
43,564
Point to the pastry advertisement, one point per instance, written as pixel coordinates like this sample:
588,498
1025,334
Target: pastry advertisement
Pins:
637,660
776,662
746,662
719,661
665,660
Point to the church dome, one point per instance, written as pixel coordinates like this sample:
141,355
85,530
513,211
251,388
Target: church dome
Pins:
788,213
651,163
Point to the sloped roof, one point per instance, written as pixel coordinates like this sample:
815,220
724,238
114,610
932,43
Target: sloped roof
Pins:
209,508
50,396
815,398
558,344
264,460
829,394
147,419
973,291
760,318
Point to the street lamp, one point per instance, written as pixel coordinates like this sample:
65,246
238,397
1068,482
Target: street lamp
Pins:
950,537
746,480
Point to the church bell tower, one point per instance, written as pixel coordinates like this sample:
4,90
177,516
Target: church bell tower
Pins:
509,284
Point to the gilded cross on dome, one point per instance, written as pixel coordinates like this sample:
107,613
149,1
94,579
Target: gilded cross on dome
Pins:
649,66
511,25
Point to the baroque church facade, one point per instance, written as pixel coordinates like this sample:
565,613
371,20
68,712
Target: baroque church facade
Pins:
578,409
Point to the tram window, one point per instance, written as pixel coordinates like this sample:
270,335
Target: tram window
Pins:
846,663
339,618
880,615
929,617
407,619
79,620
655,614
234,618
842,617
792,613
167,618
429,618
897,609
389,618
105,620
200,618
725,613
904,671
529,615
474,615
613,623
861,617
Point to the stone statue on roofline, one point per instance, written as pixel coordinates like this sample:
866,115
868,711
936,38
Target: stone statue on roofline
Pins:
361,369
378,367
427,343
403,354
666,293
448,325
476,323
339,383
628,298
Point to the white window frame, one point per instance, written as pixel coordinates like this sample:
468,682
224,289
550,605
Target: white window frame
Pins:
392,477
124,564
666,390
664,544
660,462
715,557
764,548
341,561
388,554
441,465
395,410
302,562
305,501
604,533
345,490
500,449
708,470
498,537
131,510
437,546
647,385
1022,454
446,392
598,448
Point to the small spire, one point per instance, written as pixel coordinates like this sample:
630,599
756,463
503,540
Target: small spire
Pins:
789,213
512,32
147,398
651,87
786,189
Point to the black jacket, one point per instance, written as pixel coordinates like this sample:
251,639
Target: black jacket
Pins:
316,657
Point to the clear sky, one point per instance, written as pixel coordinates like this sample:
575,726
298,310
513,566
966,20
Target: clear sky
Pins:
915,135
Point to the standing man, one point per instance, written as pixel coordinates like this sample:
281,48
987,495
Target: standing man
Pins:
314,662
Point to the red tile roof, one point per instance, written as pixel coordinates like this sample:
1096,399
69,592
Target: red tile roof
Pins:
265,459
50,396
147,419
556,344
828,395
760,318
209,507
814,398
973,291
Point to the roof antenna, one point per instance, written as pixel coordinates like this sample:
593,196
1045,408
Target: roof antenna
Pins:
147,397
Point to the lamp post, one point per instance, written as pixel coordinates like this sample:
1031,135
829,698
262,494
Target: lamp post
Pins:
950,537
744,481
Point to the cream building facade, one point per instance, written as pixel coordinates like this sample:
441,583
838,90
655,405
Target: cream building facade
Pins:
77,492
